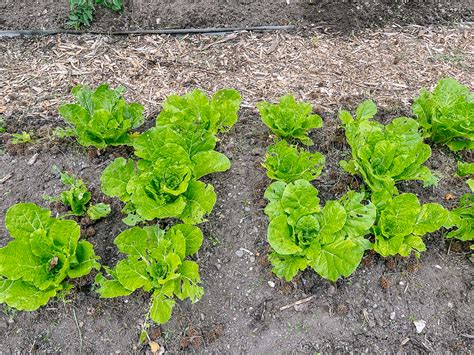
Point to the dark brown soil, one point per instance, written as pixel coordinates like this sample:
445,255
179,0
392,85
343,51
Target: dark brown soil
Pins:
335,15
372,311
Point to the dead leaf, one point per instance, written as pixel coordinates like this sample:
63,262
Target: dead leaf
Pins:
448,197
154,347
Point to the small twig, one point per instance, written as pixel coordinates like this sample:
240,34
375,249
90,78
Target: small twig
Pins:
304,300
469,336
78,329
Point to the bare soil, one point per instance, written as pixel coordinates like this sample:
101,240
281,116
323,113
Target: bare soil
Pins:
371,311
334,15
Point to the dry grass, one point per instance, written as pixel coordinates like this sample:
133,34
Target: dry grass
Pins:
388,65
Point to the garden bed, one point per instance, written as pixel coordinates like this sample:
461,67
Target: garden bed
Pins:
241,311
333,15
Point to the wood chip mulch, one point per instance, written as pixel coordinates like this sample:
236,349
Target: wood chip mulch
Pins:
389,65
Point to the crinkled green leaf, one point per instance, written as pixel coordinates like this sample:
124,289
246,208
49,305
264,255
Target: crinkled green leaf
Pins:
115,178
280,236
209,162
23,219
23,295
200,200
299,198
287,266
287,163
290,119
98,211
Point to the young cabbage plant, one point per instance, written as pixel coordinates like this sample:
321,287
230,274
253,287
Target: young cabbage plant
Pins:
383,155
217,114
164,189
44,254
402,223
330,240
156,262
102,117
290,119
288,163
78,197
447,114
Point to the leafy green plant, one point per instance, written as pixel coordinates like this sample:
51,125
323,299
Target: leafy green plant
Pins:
462,218
98,211
217,114
81,13
165,190
402,222
3,125
290,119
465,169
383,155
446,114
156,262
173,156
330,240
115,5
44,254
102,117
78,197
21,138
287,163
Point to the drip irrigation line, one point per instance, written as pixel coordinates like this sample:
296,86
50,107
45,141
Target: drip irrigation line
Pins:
172,31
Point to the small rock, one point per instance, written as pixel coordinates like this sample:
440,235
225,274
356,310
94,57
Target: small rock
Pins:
331,290
450,305
271,284
239,253
392,315
419,325
247,209
438,267
218,267
202,316
252,259
404,341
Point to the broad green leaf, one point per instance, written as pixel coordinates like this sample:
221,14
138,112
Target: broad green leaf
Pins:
337,259
465,169
333,219
98,211
400,217
209,162
23,219
86,260
65,233
280,236
273,194
23,295
192,235
359,217
200,200
110,288
115,178
300,198
132,274
187,285
366,110
432,217
161,308
287,266
132,241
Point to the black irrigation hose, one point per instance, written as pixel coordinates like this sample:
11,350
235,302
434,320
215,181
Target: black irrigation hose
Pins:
177,31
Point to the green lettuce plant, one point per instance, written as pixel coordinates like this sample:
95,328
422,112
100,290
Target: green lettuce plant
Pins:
78,197
217,114
465,169
163,182
446,115
330,240
462,218
290,119
43,256
288,163
101,117
403,221
156,262
383,155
